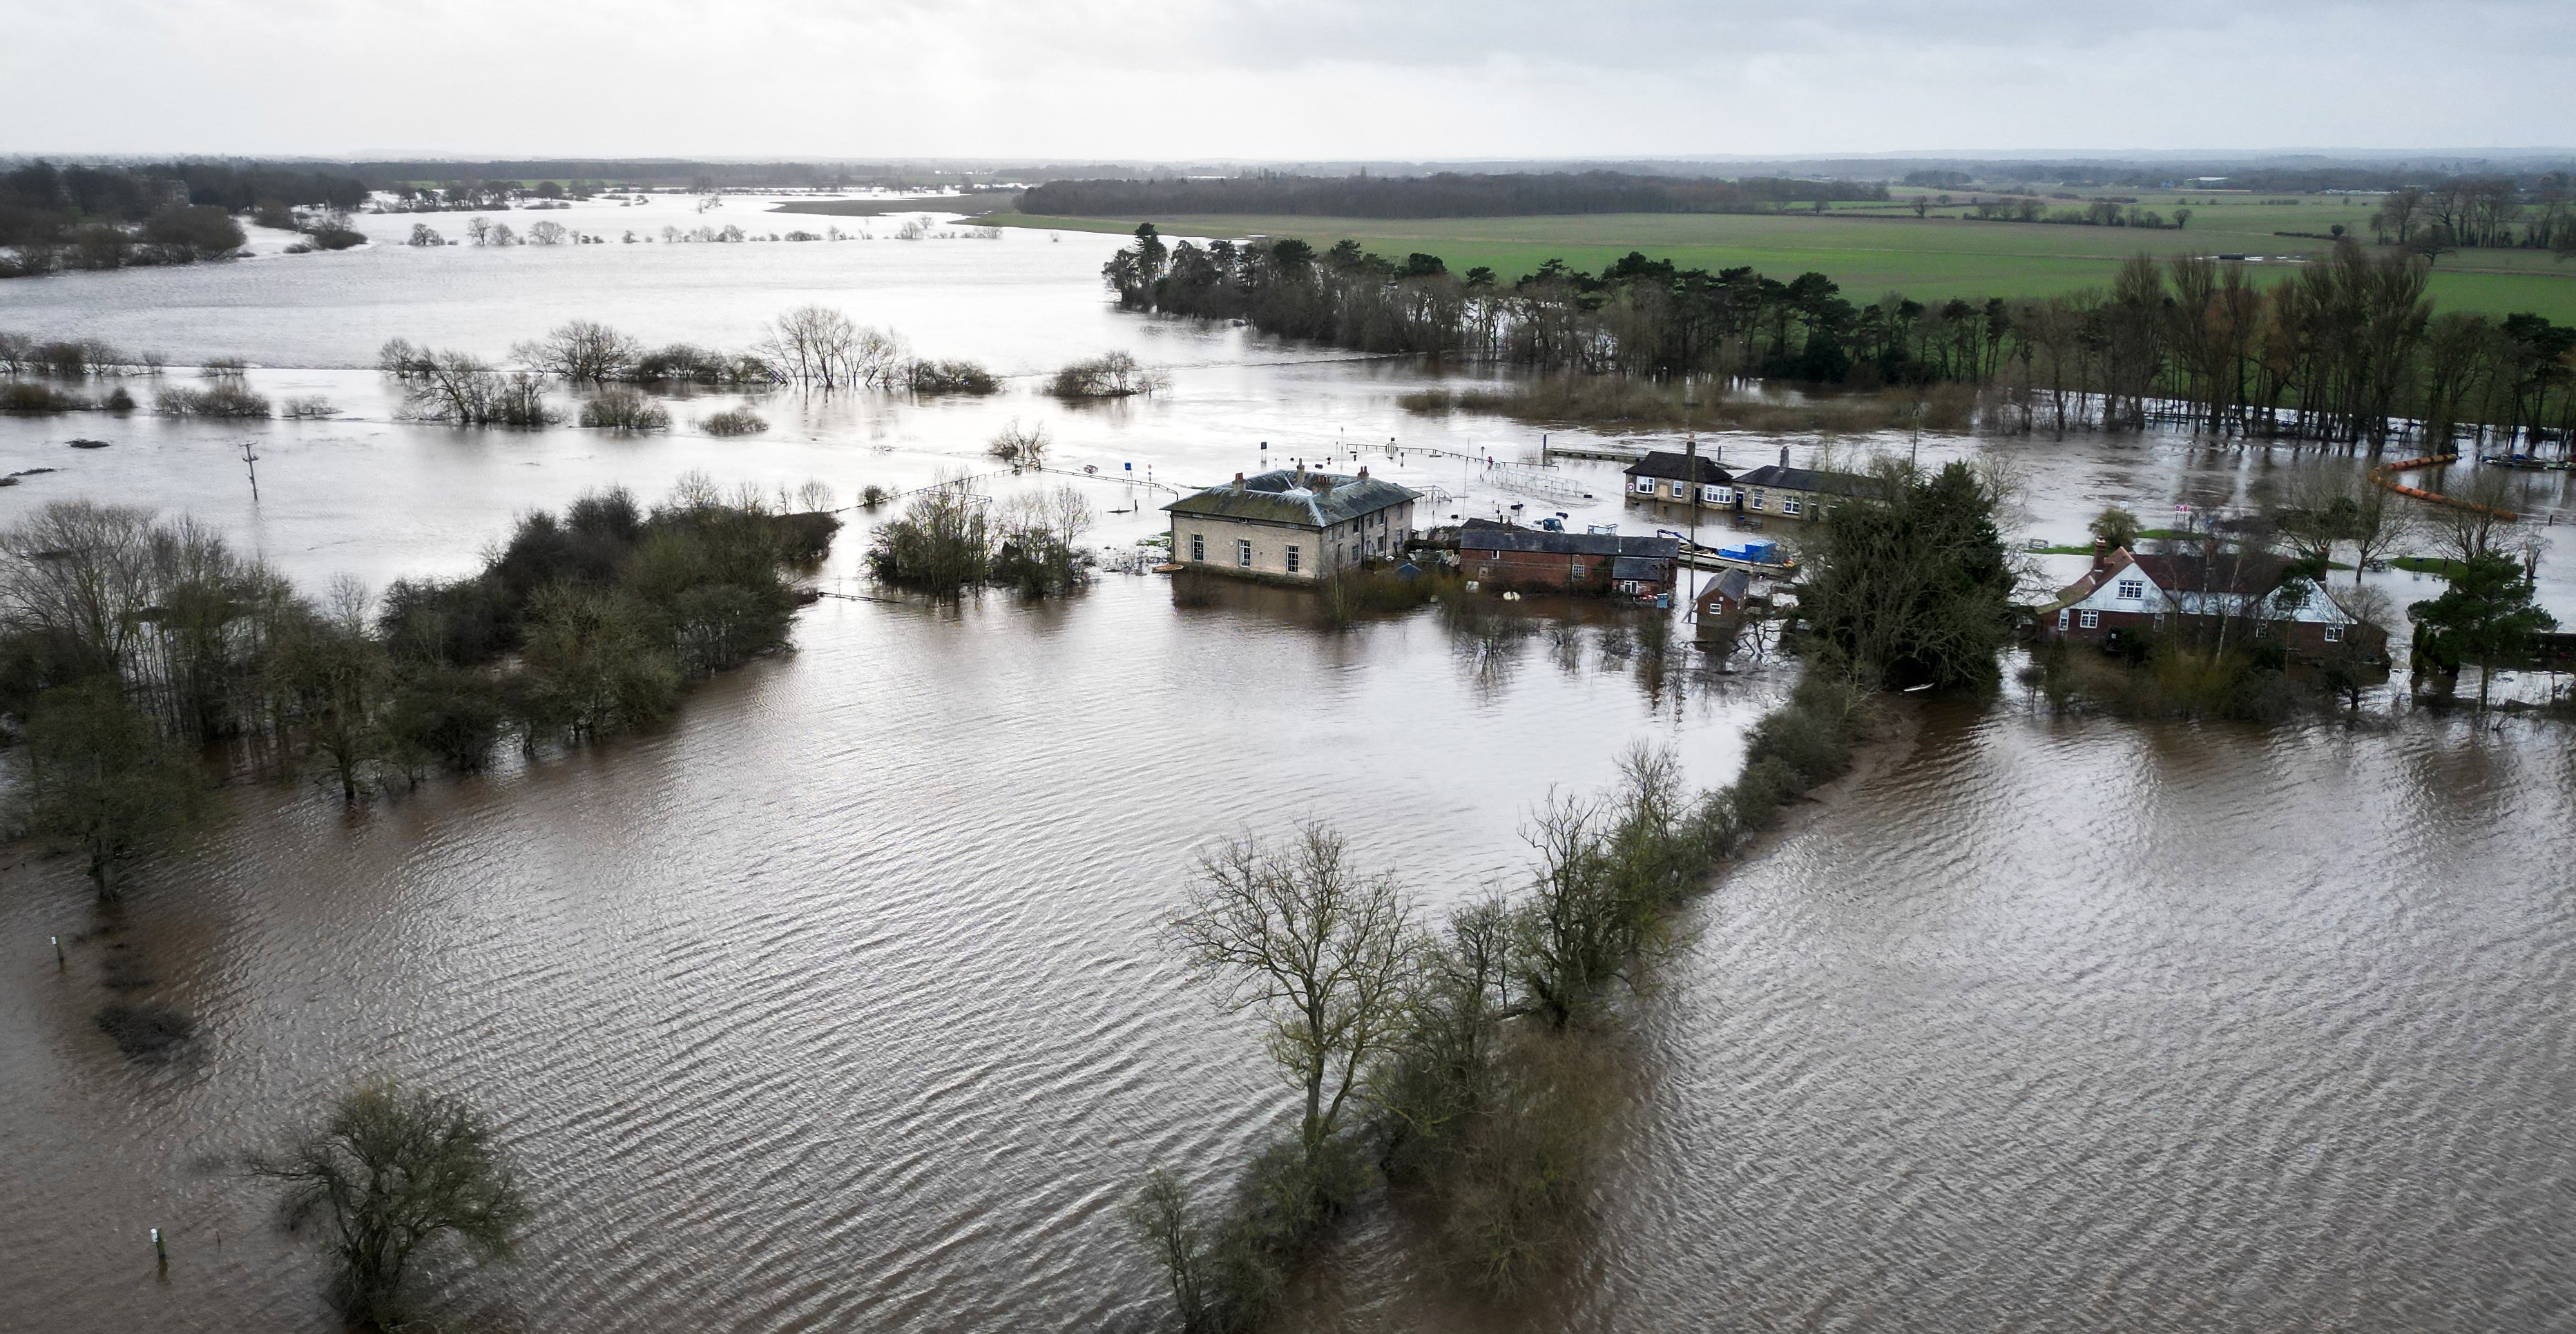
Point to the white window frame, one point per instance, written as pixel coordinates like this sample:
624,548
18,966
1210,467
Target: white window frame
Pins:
1243,553
2133,590
1645,486
1791,505
1756,501
2088,620
2063,616
1292,557
1715,494
1198,547
2334,634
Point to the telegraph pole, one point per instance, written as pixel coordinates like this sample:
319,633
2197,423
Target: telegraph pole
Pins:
251,461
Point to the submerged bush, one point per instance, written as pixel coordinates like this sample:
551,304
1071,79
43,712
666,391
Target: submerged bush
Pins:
307,407
37,396
949,377
220,399
1020,446
733,421
697,365
1109,375
145,1031
455,387
625,410
942,544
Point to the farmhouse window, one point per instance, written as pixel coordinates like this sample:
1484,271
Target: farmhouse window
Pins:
1715,495
2334,634
1789,504
2132,589
1645,486
1198,546
1243,552
2091,620
1756,501
1578,569
2063,617
1292,560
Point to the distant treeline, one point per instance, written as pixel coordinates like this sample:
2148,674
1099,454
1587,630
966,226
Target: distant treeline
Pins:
41,202
107,217
2348,349
1445,195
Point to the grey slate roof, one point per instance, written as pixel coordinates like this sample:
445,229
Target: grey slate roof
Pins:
1480,537
1305,499
1641,567
1806,479
1677,467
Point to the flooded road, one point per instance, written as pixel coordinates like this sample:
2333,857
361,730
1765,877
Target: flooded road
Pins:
836,1004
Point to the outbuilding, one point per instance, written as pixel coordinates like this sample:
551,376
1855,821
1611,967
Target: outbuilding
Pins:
1535,559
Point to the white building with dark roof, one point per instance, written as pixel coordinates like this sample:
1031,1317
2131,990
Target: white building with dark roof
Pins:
1291,524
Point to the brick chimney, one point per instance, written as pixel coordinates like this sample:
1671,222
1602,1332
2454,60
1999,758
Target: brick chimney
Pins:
1363,472
1238,481
1784,456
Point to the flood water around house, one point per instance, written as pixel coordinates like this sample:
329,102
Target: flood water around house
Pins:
836,1004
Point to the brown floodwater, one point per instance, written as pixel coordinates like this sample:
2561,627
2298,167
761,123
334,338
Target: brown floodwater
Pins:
837,1005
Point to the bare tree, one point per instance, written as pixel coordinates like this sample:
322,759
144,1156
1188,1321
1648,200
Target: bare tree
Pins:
2382,524
1321,950
2464,532
580,350
819,347
1020,446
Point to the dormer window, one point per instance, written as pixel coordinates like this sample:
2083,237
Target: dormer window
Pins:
2132,589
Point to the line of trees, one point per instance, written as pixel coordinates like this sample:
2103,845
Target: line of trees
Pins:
813,347
1440,195
1475,1066
2480,211
131,645
2346,350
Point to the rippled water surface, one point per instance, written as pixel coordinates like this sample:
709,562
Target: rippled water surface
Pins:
836,1004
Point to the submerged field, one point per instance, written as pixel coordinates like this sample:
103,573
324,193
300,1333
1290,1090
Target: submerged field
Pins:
1877,248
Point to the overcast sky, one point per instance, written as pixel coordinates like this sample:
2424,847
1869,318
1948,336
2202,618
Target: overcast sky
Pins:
1278,79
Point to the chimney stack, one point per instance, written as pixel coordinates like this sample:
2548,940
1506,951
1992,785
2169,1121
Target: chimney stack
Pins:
1238,481
1784,456
1363,472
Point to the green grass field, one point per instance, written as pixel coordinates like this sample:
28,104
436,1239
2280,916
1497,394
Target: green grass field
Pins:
1876,248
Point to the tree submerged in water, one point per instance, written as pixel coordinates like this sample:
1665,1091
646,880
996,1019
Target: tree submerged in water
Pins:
949,539
392,1171
101,776
1910,584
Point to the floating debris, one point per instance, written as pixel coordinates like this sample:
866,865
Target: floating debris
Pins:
88,444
